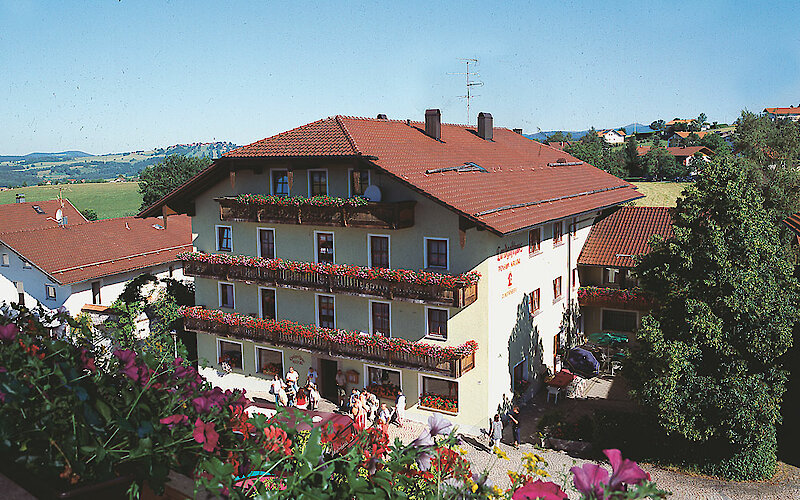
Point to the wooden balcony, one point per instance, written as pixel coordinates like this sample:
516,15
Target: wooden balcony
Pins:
379,215
452,368
631,299
461,296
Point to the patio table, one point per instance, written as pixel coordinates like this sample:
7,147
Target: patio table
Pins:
561,379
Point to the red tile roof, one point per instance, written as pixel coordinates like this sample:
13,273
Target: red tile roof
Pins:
529,183
678,151
80,252
614,240
22,216
700,135
677,121
783,111
793,221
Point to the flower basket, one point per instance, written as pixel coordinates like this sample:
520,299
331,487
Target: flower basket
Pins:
438,402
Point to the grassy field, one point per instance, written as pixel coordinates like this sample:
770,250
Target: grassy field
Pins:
108,199
659,194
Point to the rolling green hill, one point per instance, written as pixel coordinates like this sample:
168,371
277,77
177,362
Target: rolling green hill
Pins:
35,168
108,199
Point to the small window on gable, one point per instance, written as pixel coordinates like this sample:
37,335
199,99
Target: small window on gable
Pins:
6,260
50,292
359,181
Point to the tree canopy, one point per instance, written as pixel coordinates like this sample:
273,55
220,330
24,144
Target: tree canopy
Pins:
707,363
157,180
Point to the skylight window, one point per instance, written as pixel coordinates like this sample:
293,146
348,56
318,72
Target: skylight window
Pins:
467,167
38,209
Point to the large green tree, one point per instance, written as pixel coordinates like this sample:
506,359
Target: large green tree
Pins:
157,180
659,164
707,362
593,150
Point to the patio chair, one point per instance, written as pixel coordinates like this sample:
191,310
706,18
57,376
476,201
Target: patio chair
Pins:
553,391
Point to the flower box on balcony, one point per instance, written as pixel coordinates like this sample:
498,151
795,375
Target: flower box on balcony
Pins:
450,361
317,211
634,298
394,284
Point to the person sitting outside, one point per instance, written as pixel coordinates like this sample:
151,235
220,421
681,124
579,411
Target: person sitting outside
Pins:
384,415
301,399
291,394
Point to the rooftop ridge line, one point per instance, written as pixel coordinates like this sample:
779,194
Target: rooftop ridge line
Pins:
549,200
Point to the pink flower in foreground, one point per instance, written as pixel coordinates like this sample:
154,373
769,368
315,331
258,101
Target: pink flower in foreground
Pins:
205,434
8,332
174,420
127,359
541,490
590,479
88,361
624,471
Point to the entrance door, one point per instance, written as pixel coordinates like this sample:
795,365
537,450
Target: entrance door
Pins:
327,375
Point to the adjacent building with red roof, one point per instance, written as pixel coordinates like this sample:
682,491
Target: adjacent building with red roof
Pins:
609,296
683,154
76,262
792,113
410,243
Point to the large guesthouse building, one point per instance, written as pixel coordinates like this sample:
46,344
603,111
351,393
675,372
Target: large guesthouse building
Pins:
434,258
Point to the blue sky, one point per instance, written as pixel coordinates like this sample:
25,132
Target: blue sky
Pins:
115,76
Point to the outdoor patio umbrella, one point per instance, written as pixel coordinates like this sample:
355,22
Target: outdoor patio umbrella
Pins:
607,340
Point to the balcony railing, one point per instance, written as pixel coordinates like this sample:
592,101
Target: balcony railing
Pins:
279,334
379,215
461,295
632,299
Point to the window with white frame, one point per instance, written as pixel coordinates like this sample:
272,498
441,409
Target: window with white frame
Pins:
380,318
6,260
317,182
280,182
436,323
230,353
26,264
326,311
438,394
359,181
268,307
226,296
224,239
269,361
378,251
383,382
50,292
436,253
557,289
325,249
266,243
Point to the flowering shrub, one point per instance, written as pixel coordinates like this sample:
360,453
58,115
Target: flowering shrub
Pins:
365,273
342,337
300,201
437,402
386,390
634,298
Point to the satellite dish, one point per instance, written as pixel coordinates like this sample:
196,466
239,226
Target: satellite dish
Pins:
372,193
59,215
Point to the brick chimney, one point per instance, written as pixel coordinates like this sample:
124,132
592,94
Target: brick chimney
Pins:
485,128
518,131
382,116
433,123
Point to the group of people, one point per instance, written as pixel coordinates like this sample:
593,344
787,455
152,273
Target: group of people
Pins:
288,392
364,406
496,427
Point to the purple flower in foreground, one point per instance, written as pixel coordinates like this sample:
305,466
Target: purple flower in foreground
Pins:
127,359
424,439
590,479
541,490
624,471
424,461
8,332
439,425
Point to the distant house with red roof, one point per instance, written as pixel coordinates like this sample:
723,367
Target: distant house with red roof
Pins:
792,113
611,136
389,250
609,296
683,154
50,254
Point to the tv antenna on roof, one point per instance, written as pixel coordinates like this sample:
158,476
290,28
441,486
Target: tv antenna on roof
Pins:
470,83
